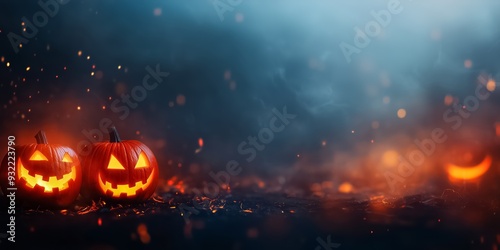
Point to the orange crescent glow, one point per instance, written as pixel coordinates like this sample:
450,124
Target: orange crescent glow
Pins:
471,172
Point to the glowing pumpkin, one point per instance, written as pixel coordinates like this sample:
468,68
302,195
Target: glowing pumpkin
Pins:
467,160
46,174
460,172
119,170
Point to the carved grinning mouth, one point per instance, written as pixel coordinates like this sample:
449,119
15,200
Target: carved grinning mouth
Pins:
50,185
125,188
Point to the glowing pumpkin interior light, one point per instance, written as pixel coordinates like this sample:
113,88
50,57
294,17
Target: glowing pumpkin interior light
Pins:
142,162
469,172
114,163
129,190
38,156
46,174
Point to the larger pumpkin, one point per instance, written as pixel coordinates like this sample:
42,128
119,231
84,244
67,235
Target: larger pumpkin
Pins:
46,174
119,170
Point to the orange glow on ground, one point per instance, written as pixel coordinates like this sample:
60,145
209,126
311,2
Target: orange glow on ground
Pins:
346,188
142,231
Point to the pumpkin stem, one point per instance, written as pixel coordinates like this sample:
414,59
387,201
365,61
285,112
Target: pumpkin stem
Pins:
113,135
41,138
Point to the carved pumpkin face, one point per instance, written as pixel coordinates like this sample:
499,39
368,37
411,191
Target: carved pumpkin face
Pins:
120,170
46,174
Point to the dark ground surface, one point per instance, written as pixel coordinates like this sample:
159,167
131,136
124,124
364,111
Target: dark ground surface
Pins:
268,221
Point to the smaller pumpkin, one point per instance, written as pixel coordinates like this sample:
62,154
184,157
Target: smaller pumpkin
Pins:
123,171
46,174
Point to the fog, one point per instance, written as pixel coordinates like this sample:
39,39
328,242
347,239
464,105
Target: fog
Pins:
227,75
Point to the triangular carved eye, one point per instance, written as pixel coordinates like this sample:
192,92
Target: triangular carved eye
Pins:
142,162
38,156
67,158
114,163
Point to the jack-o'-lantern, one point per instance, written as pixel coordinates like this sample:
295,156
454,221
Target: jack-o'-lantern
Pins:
45,174
471,172
119,170
467,163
